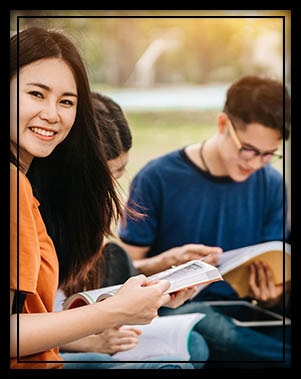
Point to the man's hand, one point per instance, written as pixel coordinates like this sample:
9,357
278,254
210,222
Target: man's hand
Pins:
262,285
188,252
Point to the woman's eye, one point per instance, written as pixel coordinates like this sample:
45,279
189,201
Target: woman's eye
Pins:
67,102
36,94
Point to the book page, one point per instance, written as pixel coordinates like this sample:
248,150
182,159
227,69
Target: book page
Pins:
164,336
234,265
233,258
188,274
88,297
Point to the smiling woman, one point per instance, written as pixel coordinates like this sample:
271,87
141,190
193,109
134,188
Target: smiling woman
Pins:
50,108
63,202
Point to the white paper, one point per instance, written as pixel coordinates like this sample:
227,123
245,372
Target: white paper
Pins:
164,336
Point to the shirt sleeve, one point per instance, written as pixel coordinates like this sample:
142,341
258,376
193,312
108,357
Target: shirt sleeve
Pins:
24,242
275,216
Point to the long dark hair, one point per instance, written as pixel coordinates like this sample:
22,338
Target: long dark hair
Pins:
78,201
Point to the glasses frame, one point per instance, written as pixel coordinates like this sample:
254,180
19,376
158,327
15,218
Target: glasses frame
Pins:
273,156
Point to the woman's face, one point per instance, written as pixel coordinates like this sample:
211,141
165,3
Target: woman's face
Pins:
117,166
47,107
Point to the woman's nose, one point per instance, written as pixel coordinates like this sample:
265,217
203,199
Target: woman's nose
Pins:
50,113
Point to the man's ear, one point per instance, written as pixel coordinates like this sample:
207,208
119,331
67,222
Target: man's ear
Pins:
222,119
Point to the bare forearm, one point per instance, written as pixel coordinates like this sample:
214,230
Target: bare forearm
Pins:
84,344
172,257
146,265
40,332
152,265
134,303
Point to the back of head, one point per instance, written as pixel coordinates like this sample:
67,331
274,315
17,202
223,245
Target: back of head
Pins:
262,100
112,124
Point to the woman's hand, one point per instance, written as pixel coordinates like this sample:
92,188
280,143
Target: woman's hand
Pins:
137,301
180,297
177,298
110,341
113,340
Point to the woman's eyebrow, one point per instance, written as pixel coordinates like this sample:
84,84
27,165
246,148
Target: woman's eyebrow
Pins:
47,88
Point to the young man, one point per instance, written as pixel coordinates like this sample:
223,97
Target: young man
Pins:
218,194
230,345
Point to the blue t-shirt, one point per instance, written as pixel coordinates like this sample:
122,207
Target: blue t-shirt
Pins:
183,204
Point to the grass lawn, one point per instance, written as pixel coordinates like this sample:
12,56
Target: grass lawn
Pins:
155,133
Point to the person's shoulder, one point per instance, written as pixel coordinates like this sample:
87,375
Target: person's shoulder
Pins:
269,179
13,169
19,180
161,162
168,156
272,173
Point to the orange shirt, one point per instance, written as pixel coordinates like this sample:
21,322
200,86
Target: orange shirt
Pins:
33,253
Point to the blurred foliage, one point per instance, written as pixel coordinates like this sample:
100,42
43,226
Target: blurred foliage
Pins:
200,47
204,47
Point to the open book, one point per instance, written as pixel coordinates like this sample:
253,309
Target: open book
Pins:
234,264
188,274
166,336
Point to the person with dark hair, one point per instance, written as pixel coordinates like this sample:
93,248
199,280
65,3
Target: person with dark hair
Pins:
217,195
115,130
228,177
115,266
62,206
226,340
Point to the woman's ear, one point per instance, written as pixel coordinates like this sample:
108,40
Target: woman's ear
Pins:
222,119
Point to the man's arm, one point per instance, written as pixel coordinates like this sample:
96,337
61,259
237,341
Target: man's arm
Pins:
171,257
148,266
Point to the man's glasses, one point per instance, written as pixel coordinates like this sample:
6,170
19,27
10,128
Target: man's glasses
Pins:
248,153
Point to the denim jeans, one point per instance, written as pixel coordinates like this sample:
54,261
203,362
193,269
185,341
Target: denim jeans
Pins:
198,349
78,360
236,346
